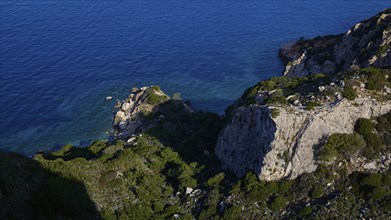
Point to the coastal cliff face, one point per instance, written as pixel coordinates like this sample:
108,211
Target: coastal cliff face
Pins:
284,146
278,127
367,44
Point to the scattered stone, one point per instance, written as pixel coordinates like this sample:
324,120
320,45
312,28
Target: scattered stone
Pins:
206,153
196,192
321,88
370,166
134,90
342,83
387,90
188,190
117,104
176,215
131,140
362,85
109,98
122,125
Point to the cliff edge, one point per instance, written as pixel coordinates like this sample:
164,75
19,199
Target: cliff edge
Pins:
279,126
366,44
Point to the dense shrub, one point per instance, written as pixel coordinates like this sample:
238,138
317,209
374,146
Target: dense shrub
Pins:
364,126
349,94
311,105
317,191
275,113
342,145
278,203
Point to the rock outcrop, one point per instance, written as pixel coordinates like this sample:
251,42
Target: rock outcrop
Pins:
367,44
284,146
132,112
271,133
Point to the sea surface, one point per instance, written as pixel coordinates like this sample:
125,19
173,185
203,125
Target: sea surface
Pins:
60,59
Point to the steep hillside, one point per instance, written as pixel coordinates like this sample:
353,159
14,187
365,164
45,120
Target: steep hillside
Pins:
367,44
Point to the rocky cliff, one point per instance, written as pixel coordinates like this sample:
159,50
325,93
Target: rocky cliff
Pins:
284,146
278,126
133,111
366,44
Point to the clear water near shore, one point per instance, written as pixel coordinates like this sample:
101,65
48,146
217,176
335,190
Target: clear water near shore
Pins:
60,59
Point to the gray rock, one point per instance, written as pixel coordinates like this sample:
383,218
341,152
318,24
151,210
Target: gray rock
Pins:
370,166
122,125
188,190
119,117
321,88
253,140
126,107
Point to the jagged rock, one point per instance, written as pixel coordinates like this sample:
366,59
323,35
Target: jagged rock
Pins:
188,190
321,88
370,166
117,104
126,106
343,52
129,119
280,147
119,117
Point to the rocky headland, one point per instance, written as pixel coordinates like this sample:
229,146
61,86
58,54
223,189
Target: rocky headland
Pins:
366,44
313,143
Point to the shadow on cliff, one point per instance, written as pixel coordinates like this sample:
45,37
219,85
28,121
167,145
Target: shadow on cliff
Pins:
29,191
193,134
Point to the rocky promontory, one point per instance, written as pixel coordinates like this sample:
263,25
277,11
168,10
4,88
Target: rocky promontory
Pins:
131,114
279,126
366,44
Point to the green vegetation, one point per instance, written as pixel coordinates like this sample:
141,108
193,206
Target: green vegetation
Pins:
349,94
147,178
311,105
155,96
376,78
342,146
364,126
275,113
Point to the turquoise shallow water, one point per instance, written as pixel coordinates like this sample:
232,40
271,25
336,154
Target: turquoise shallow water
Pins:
60,59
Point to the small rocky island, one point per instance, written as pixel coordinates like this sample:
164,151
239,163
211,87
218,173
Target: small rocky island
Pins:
314,143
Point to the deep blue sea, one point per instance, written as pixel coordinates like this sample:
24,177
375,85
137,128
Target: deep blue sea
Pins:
60,59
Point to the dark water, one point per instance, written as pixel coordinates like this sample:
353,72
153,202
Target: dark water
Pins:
60,59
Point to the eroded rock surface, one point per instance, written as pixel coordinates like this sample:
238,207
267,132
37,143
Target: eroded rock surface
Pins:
284,146
367,44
